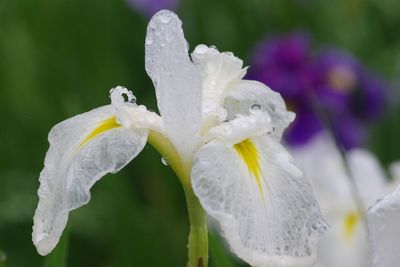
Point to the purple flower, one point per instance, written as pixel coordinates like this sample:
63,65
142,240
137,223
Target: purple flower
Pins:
332,80
282,64
150,7
371,103
351,95
304,127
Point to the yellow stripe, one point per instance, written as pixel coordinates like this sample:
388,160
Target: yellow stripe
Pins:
249,153
350,224
103,126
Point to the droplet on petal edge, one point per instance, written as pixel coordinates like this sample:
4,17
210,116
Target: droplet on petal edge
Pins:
255,107
201,49
117,96
164,161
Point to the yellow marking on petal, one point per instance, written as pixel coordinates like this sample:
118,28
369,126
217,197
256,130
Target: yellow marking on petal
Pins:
350,224
103,126
249,153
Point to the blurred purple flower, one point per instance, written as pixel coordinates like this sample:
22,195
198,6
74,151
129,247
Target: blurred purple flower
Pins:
150,7
282,64
304,127
350,95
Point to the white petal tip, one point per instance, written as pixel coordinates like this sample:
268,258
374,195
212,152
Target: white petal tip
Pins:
164,12
44,243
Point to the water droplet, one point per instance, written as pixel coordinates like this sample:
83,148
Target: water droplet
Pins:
132,100
187,45
164,161
228,53
120,94
201,49
256,107
149,40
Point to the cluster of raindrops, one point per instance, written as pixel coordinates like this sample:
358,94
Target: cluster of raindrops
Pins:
119,95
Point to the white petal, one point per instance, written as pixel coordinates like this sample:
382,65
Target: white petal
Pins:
346,243
384,231
82,150
394,174
252,94
368,174
328,177
256,123
220,71
270,220
177,82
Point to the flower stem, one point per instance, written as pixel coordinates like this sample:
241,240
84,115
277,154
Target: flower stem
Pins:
327,123
198,236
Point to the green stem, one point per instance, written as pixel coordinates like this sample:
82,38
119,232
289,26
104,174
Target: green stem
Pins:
198,237
326,120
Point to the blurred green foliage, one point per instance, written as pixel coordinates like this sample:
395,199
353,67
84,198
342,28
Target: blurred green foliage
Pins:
60,58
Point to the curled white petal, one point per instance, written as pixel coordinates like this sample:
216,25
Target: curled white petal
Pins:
82,150
384,231
129,114
140,117
220,71
177,82
263,203
248,94
241,127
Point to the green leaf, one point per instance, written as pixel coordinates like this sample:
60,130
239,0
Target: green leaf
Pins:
58,257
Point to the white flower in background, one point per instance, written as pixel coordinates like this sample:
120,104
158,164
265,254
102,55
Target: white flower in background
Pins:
221,135
346,243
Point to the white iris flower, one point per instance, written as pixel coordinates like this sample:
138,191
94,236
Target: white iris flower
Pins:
219,133
346,244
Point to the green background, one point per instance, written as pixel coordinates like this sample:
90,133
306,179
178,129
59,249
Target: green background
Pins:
60,58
